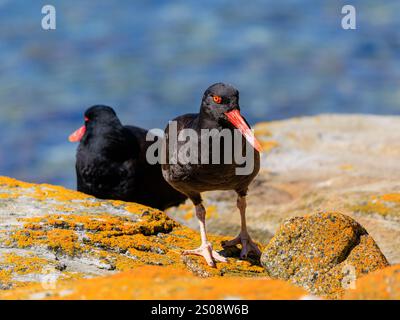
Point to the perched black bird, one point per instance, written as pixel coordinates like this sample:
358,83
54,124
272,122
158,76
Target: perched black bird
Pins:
219,110
111,162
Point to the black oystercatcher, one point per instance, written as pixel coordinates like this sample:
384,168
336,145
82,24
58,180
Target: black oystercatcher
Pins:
111,162
219,110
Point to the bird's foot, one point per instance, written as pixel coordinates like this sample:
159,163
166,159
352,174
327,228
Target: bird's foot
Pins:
248,246
207,253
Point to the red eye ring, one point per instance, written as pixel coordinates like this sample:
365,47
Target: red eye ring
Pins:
86,119
217,99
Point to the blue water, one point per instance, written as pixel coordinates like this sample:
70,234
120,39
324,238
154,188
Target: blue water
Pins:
152,60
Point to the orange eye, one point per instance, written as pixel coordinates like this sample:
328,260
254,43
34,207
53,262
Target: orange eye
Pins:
217,99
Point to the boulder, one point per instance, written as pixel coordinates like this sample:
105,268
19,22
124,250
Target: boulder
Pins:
50,235
323,253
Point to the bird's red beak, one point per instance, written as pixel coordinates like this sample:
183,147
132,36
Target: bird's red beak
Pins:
77,135
237,120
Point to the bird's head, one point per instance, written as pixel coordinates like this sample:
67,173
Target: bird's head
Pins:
221,104
219,99
95,117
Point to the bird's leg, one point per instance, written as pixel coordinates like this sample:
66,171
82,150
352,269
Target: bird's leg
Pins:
205,249
243,238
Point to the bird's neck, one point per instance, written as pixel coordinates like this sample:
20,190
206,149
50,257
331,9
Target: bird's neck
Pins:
207,122
105,140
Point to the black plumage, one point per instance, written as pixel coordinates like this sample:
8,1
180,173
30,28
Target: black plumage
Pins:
111,162
219,110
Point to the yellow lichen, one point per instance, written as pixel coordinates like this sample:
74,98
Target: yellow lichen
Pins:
391,197
386,204
65,241
162,283
346,167
23,264
269,145
262,130
382,284
7,196
45,191
59,240
12,183
372,207
12,265
78,226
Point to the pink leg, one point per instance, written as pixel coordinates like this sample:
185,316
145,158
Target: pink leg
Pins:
243,238
205,250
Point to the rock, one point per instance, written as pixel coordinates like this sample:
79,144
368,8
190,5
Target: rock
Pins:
345,163
50,234
151,282
378,285
320,252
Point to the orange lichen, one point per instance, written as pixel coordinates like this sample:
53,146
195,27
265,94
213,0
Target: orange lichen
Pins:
26,238
263,134
261,130
23,264
112,235
379,285
162,283
65,241
268,145
386,204
12,183
63,208
59,240
188,215
45,191
136,208
391,197
12,265
7,196
211,211
124,242
346,167
371,207
5,277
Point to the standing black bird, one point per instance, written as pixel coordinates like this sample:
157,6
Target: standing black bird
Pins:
219,110
111,162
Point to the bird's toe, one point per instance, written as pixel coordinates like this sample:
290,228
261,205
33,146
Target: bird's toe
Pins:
218,257
231,243
207,253
248,246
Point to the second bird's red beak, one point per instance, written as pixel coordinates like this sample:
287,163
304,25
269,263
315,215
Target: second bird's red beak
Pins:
77,135
237,120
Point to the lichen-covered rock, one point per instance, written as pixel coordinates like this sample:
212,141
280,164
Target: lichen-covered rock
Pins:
379,285
49,233
152,282
53,239
321,253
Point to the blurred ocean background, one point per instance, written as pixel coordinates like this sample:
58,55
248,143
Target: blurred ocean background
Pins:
152,60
